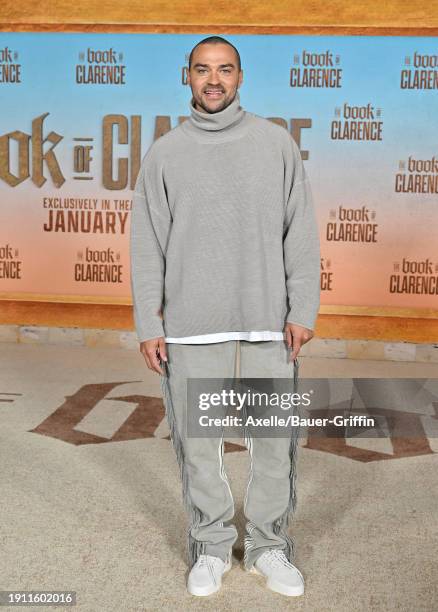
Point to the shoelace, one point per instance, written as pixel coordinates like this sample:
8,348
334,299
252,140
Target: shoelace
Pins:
205,560
276,558
202,560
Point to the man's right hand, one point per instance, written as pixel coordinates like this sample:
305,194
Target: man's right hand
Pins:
154,351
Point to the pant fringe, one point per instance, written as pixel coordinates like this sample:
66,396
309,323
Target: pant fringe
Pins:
282,523
194,547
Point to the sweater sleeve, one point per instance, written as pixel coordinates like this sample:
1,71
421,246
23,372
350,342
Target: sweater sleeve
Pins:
301,245
149,229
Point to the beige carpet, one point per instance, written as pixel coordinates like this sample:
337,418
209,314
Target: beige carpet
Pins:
90,499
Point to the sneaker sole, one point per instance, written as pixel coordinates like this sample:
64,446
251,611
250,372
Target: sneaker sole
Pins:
206,591
277,587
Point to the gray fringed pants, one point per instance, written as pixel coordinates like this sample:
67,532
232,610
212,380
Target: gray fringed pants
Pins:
270,498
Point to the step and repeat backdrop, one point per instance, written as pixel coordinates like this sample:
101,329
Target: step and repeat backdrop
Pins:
79,111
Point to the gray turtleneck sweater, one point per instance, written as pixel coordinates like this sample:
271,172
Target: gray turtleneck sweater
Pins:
223,234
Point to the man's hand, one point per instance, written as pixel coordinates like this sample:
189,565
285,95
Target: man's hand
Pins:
296,336
154,351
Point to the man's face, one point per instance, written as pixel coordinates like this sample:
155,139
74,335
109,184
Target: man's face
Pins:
214,77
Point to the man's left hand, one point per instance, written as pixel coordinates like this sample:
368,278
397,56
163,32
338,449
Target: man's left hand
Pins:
296,336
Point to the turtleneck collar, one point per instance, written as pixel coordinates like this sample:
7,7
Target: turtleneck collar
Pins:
221,120
223,125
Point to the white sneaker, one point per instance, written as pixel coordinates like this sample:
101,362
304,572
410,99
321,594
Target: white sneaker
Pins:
282,577
205,576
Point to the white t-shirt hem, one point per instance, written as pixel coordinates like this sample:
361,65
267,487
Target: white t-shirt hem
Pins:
250,336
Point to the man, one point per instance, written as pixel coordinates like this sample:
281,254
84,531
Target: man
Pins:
225,265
